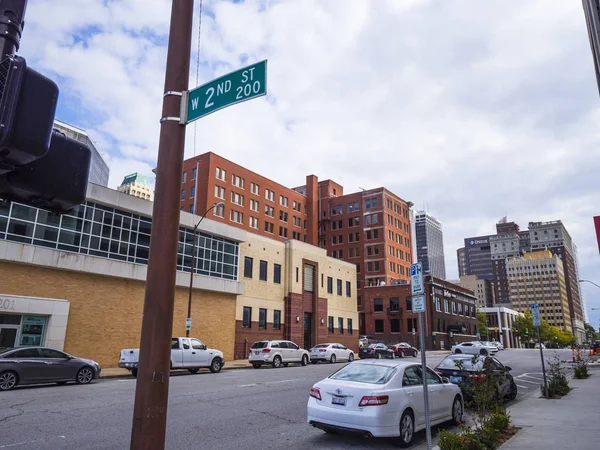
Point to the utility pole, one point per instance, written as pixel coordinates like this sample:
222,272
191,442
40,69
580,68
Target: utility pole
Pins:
152,388
12,15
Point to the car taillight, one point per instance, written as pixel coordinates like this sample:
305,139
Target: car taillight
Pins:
394,348
372,350
266,350
323,350
477,377
373,400
316,393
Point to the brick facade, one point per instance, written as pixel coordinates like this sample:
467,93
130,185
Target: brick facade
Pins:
245,337
106,313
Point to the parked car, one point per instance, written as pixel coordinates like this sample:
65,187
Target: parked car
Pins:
474,348
382,399
404,349
464,370
331,353
377,351
496,344
537,345
365,341
186,353
276,354
39,365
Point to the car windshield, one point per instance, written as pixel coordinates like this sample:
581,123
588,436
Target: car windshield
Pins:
466,362
262,344
376,346
365,373
321,346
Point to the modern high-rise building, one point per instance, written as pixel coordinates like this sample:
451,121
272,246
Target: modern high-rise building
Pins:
137,185
369,228
430,244
539,277
474,258
481,288
99,171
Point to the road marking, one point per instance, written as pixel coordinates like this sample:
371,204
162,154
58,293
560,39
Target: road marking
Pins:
247,385
529,376
532,382
282,381
522,387
268,383
29,442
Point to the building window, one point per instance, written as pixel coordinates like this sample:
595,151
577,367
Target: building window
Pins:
379,326
348,289
269,211
283,231
193,191
219,211
183,194
283,201
330,324
283,216
238,181
409,303
276,319
253,222
371,219
270,195
277,273
339,287
372,234
340,325
394,304
236,216
329,285
255,188
247,267
453,308
395,325
184,177
221,174
268,227
247,318
263,270
412,325
237,199
378,305
349,327
262,318
438,305
192,209
446,309
371,203
219,192
194,171
352,206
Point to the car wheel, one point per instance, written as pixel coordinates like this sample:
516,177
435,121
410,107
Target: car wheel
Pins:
304,360
256,366
378,355
483,352
193,371
8,380
276,362
458,351
351,357
333,359
415,353
512,394
457,410
407,429
393,356
85,375
134,373
216,365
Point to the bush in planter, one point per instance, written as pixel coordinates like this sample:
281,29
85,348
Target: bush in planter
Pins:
468,440
580,369
500,420
558,385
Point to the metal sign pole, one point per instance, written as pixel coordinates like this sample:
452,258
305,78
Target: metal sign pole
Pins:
543,365
425,388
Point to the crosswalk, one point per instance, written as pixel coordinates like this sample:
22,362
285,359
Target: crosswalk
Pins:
531,380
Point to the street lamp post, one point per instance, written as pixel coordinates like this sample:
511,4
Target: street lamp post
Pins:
188,322
591,282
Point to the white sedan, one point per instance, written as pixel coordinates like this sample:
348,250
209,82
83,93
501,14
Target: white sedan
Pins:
331,353
474,348
382,398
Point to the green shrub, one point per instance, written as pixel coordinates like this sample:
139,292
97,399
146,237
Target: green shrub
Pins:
581,372
451,441
558,385
499,421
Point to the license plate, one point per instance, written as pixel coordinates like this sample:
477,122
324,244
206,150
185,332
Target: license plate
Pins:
257,352
338,400
455,379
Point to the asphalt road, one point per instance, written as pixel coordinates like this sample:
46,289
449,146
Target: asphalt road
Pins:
247,408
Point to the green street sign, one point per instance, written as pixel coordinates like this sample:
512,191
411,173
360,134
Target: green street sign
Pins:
235,87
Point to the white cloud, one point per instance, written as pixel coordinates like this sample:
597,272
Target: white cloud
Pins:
476,108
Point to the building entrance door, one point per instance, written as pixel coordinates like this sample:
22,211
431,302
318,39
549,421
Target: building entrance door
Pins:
308,341
8,336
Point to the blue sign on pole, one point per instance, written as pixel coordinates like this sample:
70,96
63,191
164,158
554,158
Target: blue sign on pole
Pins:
535,315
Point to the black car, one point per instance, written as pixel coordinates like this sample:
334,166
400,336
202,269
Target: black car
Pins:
465,370
377,351
38,365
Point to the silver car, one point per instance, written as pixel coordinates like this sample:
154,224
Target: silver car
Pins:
38,365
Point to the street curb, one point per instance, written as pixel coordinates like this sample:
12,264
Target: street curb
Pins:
128,374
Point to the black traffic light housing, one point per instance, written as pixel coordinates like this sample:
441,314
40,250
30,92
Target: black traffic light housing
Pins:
27,106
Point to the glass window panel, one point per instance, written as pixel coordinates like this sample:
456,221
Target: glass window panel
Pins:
118,220
104,243
125,236
95,243
46,233
96,229
47,218
98,215
116,233
114,246
142,252
108,217
68,248
4,209
127,223
20,228
3,224
135,224
145,227
106,231
87,227
85,241
89,212
23,212
71,223
44,243
143,240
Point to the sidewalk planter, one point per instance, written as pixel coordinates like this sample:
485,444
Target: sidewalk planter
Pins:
496,431
558,384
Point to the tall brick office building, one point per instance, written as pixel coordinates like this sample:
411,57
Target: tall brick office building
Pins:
369,228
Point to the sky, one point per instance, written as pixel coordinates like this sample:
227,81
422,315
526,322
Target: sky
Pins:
473,110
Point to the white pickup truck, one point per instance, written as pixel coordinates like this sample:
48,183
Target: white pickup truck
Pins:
186,353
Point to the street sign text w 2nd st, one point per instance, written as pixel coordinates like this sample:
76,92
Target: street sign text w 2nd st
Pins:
235,87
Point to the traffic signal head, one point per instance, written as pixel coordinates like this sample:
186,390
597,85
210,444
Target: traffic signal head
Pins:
57,181
27,106
526,331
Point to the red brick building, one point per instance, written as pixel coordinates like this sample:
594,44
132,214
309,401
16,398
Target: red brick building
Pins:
451,314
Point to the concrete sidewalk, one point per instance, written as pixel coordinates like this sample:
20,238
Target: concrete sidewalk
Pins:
116,372
571,422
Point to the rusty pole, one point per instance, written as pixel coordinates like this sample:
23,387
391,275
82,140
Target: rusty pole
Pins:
152,388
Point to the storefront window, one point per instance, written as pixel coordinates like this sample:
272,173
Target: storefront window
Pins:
32,330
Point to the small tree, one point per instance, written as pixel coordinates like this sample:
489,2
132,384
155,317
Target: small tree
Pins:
483,325
590,332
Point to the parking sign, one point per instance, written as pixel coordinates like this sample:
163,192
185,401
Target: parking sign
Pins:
416,279
535,315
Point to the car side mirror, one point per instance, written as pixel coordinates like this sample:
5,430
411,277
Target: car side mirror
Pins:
445,380
508,368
